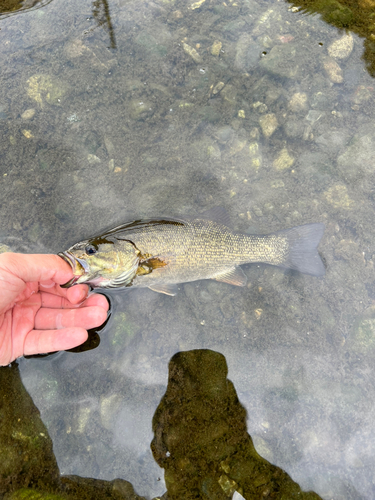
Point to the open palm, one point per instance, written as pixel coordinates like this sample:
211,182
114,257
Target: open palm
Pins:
36,315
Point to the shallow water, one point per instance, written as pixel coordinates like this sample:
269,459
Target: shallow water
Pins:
169,108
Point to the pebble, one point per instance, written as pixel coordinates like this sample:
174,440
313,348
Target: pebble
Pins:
257,211
247,53
268,124
357,161
224,134
282,61
219,86
254,149
298,102
313,115
338,197
237,146
347,250
333,70
27,134
92,159
260,107
196,5
28,114
216,48
229,93
177,14
214,152
191,52
341,48
284,160
362,95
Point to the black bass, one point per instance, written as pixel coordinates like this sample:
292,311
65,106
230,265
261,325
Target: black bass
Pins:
161,253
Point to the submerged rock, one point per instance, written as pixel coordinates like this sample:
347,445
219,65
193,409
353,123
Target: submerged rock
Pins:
333,70
216,48
28,114
283,160
191,52
44,88
268,124
359,158
362,337
342,48
282,61
338,197
247,53
298,102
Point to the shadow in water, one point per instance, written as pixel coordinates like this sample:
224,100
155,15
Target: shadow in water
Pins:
200,439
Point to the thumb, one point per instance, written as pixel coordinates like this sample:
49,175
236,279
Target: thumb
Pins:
35,267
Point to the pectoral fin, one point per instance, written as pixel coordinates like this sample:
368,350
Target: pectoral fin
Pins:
233,276
168,289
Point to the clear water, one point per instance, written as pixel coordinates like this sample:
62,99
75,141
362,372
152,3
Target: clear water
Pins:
106,117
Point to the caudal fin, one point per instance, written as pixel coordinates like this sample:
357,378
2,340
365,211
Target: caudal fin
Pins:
303,254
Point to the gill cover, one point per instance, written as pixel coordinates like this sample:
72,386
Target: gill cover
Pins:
102,262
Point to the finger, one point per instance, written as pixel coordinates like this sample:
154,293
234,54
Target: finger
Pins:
85,317
56,302
72,296
39,342
36,267
77,293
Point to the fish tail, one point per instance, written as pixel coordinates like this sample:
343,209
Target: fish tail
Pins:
303,255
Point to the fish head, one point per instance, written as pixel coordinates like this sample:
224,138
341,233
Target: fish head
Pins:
102,262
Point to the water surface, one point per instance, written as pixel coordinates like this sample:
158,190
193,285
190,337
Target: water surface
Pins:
117,110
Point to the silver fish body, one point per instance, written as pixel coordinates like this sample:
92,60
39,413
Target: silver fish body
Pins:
161,253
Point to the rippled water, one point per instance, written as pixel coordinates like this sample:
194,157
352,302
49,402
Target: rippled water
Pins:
170,108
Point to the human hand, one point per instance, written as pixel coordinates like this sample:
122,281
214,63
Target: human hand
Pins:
36,315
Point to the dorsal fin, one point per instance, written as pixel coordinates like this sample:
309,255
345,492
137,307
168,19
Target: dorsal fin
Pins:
217,214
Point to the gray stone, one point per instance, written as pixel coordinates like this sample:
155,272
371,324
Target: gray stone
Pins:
332,141
247,53
359,158
282,61
293,128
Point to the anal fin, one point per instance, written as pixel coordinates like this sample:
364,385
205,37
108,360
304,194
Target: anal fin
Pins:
167,288
233,276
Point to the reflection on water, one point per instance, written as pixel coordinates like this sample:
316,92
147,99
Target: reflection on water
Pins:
100,10
200,440
358,17
10,7
245,104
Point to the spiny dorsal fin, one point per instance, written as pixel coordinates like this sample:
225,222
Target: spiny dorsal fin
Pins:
233,276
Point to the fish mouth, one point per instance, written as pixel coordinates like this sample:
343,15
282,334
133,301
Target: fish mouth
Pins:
79,267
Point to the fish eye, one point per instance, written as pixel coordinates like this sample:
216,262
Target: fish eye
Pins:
90,249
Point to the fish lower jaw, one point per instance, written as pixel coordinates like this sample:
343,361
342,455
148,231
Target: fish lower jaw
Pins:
99,282
71,282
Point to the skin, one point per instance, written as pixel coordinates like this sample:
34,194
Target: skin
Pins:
37,315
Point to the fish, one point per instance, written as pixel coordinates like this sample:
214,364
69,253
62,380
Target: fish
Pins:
161,253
